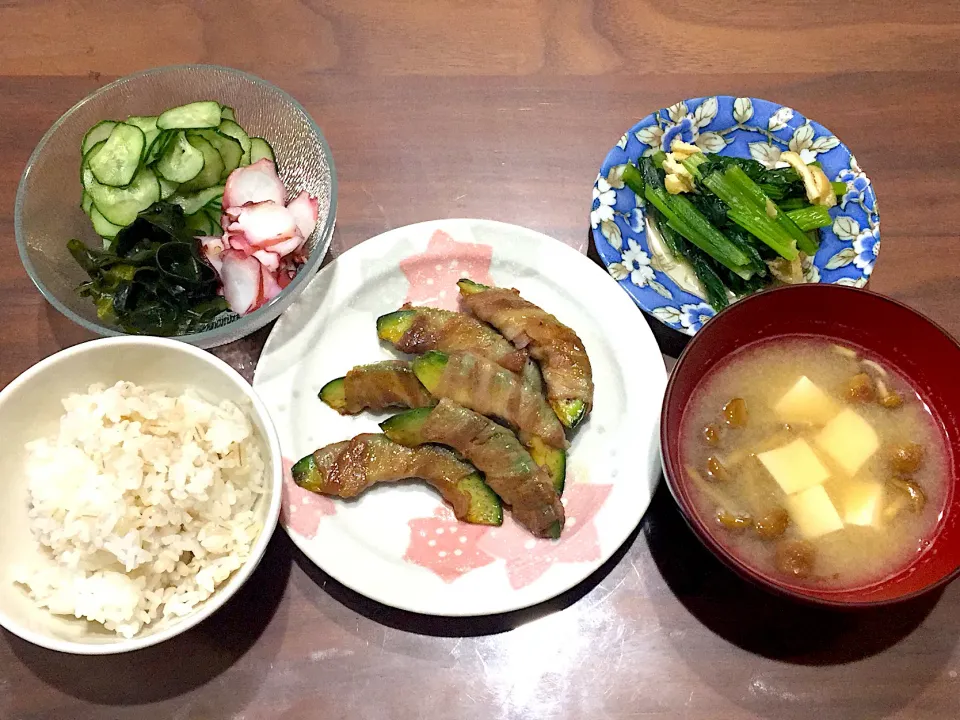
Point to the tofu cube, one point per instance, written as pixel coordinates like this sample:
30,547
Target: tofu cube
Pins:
805,402
813,512
860,500
795,467
849,440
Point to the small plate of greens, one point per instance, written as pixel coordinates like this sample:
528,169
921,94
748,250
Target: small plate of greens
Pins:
715,198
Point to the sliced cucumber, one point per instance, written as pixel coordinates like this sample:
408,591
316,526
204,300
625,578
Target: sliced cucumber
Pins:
200,223
87,179
214,214
232,155
147,123
149,137
116,162
231,129
195,202
158,145
259,149
231,152
85,163
99,132
167,188
203,114
103,227
212,166
180,161
121,206
182,156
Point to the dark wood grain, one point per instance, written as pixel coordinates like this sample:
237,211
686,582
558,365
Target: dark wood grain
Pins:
504,110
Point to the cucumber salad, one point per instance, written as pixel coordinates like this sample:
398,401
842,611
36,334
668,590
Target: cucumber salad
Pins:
194,219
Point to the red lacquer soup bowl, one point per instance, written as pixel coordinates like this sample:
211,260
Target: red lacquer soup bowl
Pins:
917,348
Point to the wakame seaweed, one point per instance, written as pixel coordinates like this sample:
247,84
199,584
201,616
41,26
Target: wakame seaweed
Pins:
152,279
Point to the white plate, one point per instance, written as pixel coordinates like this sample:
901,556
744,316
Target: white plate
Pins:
398,544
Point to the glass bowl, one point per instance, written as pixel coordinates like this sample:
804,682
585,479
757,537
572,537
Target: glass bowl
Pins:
48,213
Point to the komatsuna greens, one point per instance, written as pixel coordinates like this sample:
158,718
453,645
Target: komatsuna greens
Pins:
738,225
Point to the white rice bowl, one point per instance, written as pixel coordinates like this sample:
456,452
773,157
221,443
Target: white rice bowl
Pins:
145,501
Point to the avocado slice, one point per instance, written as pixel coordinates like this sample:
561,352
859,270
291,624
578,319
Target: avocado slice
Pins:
334,394
406,428
429,368
392,326
469,287
508,468
553,460
485,507
569,411
306,474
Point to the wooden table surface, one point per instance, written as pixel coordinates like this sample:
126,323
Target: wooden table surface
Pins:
504,110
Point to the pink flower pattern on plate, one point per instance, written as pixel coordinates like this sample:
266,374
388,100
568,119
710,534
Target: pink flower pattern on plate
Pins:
452,549
447,547
302,510
528,558
433,274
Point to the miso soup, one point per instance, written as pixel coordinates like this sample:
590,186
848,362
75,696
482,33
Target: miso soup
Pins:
814,462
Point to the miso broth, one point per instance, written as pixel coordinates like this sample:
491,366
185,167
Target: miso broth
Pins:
814,462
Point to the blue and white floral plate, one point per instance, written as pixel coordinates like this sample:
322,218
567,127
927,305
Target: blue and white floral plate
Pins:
741,127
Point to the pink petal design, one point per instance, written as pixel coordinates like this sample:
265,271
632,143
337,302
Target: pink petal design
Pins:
302,510
445,546
433,274
528,558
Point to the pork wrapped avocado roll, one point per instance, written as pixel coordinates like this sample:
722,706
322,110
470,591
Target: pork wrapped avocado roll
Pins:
507,467
381,385
345,469
557,348
487,388
417,330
